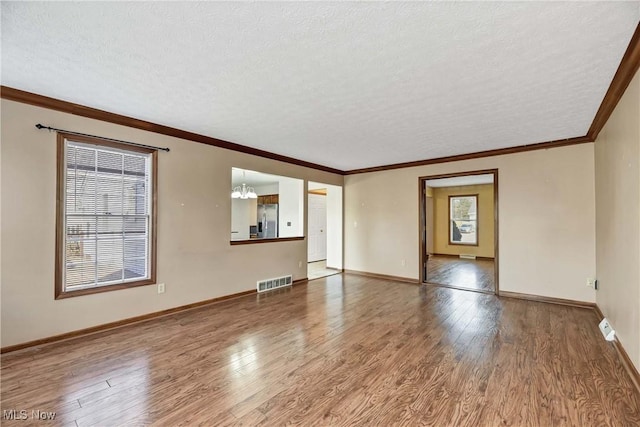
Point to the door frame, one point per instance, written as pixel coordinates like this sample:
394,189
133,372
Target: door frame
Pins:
337,253
422,197
326,214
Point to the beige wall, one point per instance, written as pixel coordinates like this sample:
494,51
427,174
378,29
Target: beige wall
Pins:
617,164
546,229
485,228
195,259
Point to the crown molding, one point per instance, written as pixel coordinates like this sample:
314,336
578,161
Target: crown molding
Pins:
42,101
477,155
105,116
626,71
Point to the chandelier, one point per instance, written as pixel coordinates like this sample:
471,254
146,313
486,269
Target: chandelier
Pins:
243,192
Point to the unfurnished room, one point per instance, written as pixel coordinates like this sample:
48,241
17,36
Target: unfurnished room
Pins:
321,213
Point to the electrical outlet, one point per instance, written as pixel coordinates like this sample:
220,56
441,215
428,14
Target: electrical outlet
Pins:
607,330
403,262
299,264
592,283
161,288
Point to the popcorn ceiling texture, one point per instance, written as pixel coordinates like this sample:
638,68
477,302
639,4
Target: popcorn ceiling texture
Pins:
346,85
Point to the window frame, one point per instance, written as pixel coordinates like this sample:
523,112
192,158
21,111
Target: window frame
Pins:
277,195
60,249
477,220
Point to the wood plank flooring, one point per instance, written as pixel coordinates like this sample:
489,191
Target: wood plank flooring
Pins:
476,275
343,350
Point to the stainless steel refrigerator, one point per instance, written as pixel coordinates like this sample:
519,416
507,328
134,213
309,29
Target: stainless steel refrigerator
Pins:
268,221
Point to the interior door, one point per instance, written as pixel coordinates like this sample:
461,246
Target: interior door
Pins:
317,228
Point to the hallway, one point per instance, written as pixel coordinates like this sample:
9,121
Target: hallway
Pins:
319,269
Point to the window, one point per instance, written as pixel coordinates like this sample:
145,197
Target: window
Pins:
106,216
463,220
265,207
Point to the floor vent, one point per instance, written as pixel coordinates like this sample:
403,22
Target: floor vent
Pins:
468,256
278,282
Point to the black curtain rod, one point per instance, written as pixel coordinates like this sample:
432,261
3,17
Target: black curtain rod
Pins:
49,128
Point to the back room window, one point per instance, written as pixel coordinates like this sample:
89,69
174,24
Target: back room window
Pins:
463,220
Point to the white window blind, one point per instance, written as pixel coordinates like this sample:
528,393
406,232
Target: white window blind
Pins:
107,213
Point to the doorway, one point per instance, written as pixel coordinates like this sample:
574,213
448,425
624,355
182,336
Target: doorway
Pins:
324,230
459,230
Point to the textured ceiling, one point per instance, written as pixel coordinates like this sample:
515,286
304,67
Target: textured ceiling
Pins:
345,85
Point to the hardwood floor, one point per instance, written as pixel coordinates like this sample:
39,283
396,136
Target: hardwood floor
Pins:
476,275
342,350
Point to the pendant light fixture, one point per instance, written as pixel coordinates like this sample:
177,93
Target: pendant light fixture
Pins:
243,192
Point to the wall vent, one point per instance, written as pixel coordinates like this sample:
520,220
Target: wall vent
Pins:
467,256
276,283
